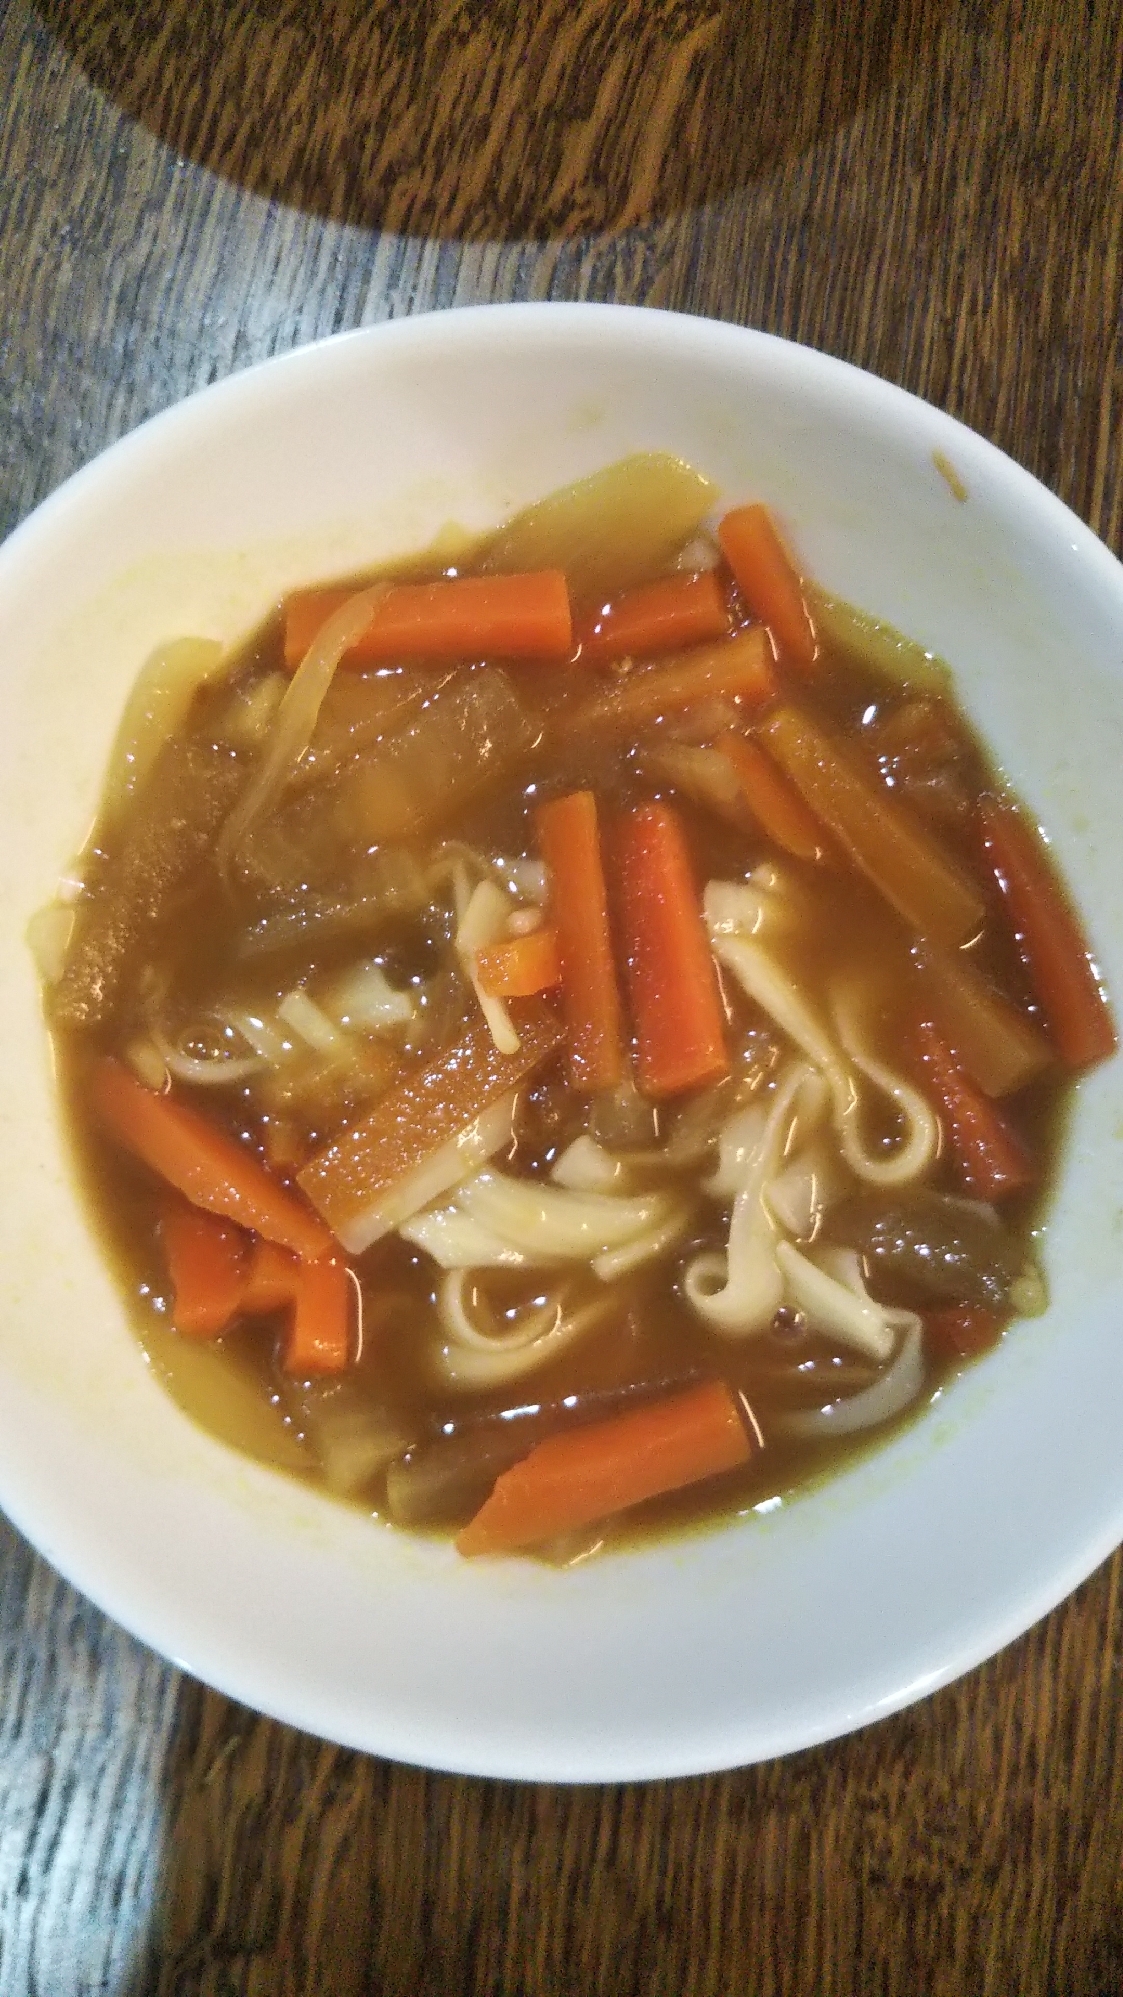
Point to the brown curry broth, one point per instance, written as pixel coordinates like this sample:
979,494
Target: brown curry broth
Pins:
234,1387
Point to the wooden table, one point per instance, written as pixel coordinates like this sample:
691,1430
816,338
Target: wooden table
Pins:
931,188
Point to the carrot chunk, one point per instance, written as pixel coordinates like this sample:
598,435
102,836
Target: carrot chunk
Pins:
774,800
672,984
893,849
270,1279
768,581
458,617
519,966
200,1161
573,1480
660,617
570,840
1055,950
206,1260
319,1336
992,1160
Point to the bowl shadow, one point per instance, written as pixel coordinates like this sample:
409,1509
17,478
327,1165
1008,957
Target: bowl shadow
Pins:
484,119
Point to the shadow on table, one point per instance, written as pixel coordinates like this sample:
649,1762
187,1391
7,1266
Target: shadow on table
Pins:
492,118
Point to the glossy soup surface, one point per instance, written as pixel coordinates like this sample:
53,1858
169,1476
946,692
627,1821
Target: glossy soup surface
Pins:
424,778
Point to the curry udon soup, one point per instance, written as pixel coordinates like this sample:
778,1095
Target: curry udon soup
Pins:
571,1040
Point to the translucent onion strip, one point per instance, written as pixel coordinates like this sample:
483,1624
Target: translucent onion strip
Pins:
296,718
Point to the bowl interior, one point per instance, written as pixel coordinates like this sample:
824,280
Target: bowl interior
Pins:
779,1629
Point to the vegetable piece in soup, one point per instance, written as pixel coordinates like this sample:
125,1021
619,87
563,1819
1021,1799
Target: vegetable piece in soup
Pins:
573,1047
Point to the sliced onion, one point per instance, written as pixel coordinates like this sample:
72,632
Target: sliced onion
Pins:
296,717
161,695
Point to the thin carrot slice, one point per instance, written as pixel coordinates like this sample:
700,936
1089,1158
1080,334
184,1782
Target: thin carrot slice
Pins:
429,1132
200,1161
519,966
959,1331
270,1280
574,1480
661,617
1064,975
570,842
768,581
992,1160
672,984
461,617
739,669
881,836
319,1338
774,800
206,1260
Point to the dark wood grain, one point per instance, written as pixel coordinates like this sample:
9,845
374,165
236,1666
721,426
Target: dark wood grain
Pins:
934,191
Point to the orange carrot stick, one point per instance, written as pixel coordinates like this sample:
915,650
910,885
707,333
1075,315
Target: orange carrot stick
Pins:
570,842
461,617
270,1280
519,966
573,1480
209,1168
959,1331
660,617
319,1339
206,1260
894,851
991,1157
768,581
1062,971
774,800
680,1030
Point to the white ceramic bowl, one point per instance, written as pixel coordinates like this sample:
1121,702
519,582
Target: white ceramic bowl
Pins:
777,1630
